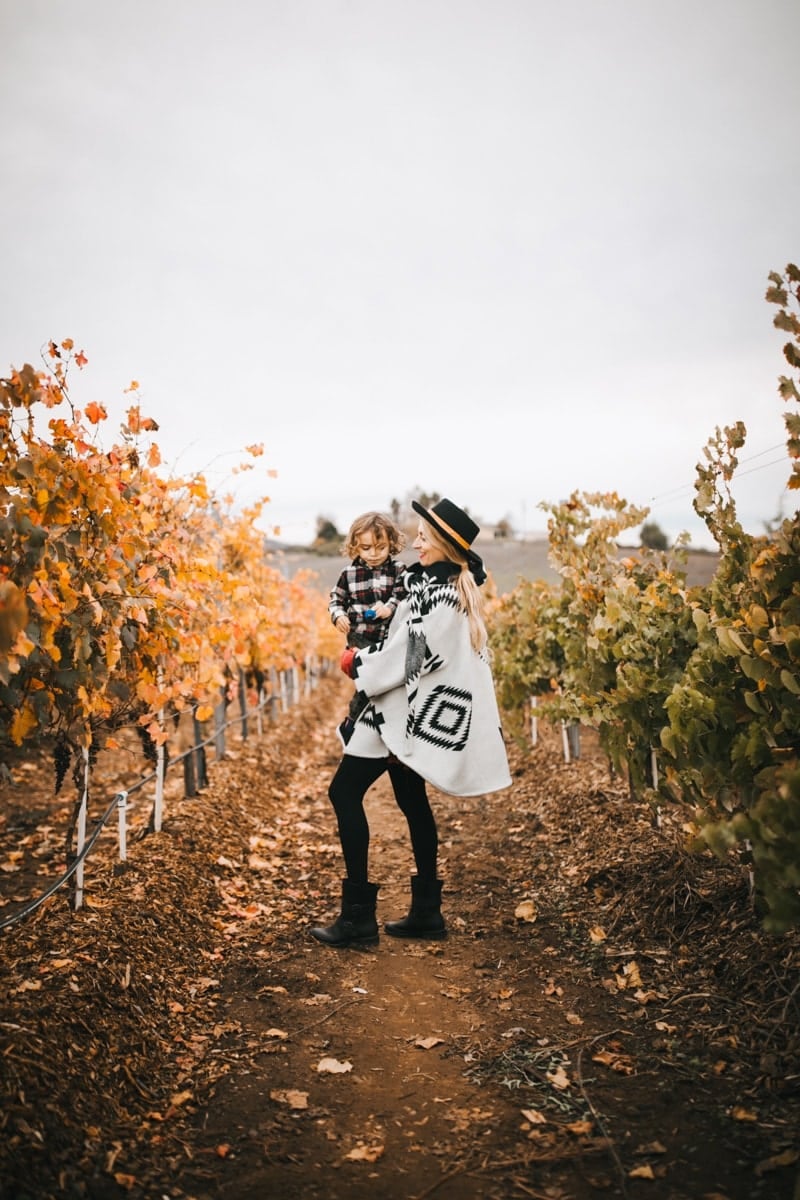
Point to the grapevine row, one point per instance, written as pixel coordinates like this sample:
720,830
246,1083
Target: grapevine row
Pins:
125,592
709,676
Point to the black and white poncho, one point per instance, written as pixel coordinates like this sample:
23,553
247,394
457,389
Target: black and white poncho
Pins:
429,697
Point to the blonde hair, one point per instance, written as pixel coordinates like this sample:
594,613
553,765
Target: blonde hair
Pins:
468,591
380,526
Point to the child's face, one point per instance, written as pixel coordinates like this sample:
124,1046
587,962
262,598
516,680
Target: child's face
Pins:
374,550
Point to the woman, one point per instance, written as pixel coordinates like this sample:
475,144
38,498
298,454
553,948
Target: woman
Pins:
428,713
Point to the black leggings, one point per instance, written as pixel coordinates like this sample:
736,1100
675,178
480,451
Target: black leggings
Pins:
354,776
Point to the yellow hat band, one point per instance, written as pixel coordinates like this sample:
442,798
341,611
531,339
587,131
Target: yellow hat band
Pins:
455,536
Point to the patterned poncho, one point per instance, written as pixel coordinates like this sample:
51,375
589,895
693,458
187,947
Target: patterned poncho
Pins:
429,697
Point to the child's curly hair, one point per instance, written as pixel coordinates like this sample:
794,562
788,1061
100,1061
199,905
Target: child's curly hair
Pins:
380,526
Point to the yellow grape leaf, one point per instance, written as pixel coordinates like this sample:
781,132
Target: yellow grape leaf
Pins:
23,721
204,712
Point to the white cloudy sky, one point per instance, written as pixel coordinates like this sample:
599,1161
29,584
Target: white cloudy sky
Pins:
500,249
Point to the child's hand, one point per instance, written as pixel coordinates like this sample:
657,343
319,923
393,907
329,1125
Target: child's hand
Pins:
382,611
343,624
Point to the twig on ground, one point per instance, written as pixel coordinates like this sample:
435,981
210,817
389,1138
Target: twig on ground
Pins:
612,1151
321,1021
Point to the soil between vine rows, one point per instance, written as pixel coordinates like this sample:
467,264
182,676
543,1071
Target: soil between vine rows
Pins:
605,1019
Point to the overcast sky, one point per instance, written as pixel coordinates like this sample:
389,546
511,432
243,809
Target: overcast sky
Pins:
493,248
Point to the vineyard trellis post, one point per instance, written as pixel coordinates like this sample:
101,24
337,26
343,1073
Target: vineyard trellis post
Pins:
199,755
161,766
80,840
219,725
122,817
243,703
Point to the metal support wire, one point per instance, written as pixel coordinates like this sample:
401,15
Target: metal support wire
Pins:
120,804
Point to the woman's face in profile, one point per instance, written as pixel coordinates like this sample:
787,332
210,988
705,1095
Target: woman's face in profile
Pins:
428,553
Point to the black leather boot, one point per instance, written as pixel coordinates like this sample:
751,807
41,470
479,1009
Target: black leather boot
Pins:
356,924
425,918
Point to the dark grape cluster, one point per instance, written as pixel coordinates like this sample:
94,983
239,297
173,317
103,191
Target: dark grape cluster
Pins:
148,745
62,756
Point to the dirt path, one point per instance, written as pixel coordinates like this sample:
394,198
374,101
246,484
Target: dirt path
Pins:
396,1114
605,1018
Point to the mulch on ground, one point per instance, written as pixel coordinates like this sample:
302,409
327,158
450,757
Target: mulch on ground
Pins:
606,1018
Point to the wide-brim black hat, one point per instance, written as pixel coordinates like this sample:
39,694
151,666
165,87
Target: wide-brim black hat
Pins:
457,528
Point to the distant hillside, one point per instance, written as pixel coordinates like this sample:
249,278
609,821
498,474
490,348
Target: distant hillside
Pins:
508,560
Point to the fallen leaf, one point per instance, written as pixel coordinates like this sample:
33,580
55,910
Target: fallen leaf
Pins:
223,1150
786,1159
361,1153
526,911
630,977
651,1148
646,997
534,1116
332,1066
125,1181
574,1019
290,1096
743,1114
179,1098
277,1033
559,1079
664,1027
597,934
428,1043
621,1063
580,1128
643,1172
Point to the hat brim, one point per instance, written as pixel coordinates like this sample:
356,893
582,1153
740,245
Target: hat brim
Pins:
474,561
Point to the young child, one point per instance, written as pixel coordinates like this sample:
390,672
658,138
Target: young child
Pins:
366,594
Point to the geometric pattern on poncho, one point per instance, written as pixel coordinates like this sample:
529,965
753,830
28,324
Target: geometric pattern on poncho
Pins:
372,718
445,718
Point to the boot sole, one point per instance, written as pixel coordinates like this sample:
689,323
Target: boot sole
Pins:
433,935
343,945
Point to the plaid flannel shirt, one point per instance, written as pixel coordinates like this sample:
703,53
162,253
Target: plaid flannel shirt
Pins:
359,588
